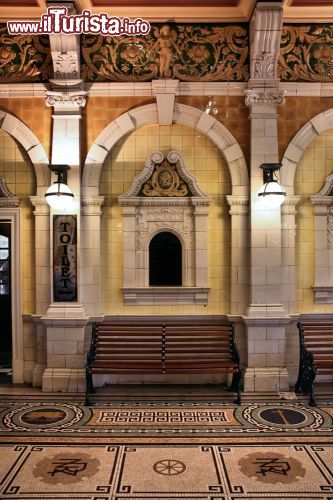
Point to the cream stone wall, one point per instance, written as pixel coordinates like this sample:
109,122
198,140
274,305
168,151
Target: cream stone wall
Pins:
204,161
16,168
315,165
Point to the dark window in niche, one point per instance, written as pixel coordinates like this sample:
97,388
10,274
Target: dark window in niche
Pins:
165,260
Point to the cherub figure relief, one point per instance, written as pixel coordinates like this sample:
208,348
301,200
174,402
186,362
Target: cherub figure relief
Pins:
165,41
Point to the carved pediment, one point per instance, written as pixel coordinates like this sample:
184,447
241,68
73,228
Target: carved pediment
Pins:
164,178
7,199
325,195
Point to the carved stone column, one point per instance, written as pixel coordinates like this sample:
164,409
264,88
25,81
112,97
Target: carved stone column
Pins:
65,321
265,317
239,211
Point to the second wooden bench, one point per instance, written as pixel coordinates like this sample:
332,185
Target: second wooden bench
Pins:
316,355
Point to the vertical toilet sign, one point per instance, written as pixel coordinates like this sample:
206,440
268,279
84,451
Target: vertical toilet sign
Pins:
64,258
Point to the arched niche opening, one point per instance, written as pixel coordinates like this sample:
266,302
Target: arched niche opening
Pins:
165,198
165,260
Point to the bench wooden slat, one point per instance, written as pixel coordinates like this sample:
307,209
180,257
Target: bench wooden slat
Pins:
316,354
197,347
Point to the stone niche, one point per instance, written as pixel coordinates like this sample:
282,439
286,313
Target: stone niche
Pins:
165,197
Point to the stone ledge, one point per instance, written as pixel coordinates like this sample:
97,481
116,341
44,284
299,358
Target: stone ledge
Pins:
156,295
323,294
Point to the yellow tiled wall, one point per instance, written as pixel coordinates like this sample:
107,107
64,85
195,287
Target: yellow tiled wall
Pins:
315,165
16,168
204,161
34,113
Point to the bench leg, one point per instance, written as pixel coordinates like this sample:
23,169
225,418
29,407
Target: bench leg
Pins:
307,377
312,399
89,386
236,379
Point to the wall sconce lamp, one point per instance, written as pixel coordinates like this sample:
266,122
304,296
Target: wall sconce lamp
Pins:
271,192
59,196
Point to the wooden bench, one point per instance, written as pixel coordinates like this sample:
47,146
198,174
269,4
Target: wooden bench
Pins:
197,348
316,355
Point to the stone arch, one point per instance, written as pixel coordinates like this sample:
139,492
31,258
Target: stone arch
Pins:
298,145
183,115
35,150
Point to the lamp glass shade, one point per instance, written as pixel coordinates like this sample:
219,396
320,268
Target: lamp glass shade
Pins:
59,196
272,194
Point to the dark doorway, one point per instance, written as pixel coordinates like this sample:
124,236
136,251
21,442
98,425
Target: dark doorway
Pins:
165,260
5,297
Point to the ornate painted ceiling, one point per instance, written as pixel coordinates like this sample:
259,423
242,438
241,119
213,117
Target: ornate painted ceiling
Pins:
176,10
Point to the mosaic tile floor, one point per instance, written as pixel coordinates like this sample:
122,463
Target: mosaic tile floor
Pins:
166,419
166,449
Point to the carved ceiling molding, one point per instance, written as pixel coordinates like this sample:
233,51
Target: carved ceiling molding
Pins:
187,52
306,53
24,58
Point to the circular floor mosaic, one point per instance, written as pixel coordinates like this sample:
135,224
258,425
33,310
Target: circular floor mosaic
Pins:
274,417
283,416
43,417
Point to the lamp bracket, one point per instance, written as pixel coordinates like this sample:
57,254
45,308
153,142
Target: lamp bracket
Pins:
61,172
268,171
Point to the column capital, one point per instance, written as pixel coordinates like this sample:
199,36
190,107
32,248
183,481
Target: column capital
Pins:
40,204
65,99
321,204
239,205
92,205
264,95
289,205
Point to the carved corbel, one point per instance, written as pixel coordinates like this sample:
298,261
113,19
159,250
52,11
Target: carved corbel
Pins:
265,32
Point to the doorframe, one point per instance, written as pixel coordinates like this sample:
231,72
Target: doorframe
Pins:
14,216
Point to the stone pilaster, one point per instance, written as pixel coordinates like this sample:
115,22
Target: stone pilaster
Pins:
323,243
91,253
288,223
265,316
239,211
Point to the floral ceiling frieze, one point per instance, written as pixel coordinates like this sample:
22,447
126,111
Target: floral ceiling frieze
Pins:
24,58
187,52
306,53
